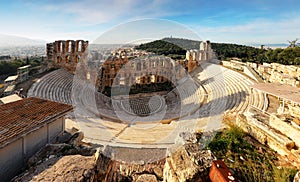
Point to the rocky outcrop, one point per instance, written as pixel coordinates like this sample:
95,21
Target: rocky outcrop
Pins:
297,177
276,134
146,177
70,162
116,170
66,168
261,131
188,163
285,128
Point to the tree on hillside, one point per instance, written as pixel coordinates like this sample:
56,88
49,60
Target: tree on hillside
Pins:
173,47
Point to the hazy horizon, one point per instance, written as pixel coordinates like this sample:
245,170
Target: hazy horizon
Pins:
43,42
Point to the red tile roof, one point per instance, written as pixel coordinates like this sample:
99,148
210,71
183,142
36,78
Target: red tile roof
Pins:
18,118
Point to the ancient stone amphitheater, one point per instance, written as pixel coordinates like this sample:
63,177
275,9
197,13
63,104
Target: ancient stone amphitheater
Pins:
152,121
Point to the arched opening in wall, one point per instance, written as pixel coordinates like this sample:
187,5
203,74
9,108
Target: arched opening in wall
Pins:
69,47
151,83
60,47
79,46
77,58
68,59
58,59
123,54
171,65
117,81
132,65
135,84
139,66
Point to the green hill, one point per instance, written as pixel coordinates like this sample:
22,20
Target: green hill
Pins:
178,46
162,47
176,49
185,44
222,50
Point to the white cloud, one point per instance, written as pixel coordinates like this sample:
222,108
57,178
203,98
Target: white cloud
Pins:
96,12
88,18
259,31
145,29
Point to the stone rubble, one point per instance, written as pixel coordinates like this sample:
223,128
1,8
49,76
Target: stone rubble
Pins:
70,162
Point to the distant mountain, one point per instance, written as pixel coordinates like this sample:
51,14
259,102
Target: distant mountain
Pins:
13,41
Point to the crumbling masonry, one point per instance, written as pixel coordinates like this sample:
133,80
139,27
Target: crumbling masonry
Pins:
66,54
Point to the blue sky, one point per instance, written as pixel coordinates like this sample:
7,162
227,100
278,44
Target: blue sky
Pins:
236,21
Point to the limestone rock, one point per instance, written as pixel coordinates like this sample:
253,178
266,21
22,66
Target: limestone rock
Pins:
61,162
77,138
297,177
297,121
158,172
111,170
67,168
146,177
188,137
188,163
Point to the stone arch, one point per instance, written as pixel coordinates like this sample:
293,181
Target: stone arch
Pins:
69,46
60,47
79,46
73,46
77,58
68,59
139,66
58,59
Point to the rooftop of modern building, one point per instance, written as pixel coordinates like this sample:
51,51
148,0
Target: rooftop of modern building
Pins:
23,116
24,67
9,98
11,78
9,88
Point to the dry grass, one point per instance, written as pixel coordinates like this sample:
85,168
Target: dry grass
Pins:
251,161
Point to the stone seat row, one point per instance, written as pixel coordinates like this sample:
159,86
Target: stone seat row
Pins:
56,86
229,91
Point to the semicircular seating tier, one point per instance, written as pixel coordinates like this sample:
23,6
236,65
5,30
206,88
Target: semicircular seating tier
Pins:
228,90
56,86
222,90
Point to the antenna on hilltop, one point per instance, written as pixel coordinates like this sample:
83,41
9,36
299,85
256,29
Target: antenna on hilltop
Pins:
293,43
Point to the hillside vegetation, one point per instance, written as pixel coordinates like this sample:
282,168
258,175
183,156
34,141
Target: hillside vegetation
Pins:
176,48
162,47
185,44
10,67
250,160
